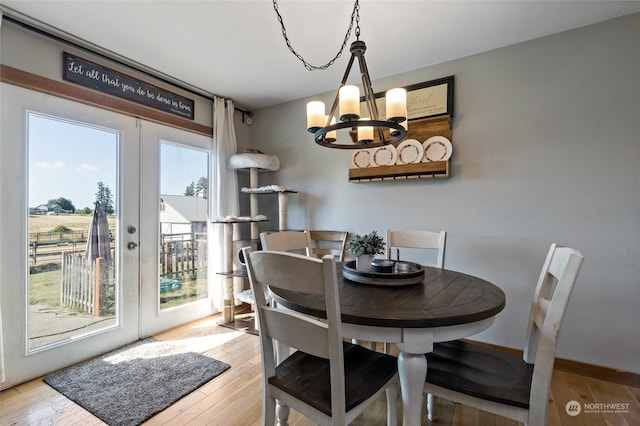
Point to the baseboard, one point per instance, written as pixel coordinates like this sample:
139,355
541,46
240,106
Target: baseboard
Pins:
581,368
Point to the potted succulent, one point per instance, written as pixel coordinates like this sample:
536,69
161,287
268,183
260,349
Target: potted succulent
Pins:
364,248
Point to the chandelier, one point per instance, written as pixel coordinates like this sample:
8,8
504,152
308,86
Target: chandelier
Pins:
365,131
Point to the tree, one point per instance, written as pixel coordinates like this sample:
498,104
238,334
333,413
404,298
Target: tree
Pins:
104,198
190,190
202,187
63,203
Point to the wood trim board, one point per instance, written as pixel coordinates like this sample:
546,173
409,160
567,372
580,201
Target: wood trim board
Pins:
97,99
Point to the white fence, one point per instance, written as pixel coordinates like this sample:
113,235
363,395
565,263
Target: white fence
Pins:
83,283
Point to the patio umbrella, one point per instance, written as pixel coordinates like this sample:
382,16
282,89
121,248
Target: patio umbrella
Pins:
99,239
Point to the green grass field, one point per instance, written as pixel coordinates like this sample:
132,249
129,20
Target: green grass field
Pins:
44,288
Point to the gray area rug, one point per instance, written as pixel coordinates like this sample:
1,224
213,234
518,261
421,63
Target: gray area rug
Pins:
127,386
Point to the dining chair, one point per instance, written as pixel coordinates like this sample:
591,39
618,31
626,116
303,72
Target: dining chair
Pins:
290,241
506,385
326,379
328,242
417,240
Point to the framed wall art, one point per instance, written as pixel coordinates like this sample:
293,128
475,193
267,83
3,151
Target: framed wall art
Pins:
428,99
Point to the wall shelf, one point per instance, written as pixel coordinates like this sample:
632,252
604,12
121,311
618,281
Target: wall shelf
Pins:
420,130
430,170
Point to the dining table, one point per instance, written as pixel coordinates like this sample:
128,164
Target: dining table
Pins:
447,305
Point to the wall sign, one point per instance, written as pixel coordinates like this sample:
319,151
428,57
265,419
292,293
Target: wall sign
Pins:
429,99
89,74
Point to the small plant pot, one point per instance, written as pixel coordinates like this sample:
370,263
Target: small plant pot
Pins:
363,262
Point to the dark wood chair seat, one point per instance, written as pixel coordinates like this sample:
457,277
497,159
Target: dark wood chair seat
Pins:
307,377
481,372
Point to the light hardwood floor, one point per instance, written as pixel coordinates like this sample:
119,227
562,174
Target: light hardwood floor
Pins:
234,398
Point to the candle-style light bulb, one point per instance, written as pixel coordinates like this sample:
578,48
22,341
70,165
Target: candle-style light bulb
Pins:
332,135
315,116
349,103
396,103
365,133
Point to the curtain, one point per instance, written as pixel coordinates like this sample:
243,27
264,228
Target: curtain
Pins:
225,191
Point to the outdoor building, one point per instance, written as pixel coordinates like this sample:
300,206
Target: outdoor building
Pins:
181,214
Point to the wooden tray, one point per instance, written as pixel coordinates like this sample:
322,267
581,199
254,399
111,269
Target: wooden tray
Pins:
414,275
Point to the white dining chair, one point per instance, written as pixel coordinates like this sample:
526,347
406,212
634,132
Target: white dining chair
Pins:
417,239
493,381
326,379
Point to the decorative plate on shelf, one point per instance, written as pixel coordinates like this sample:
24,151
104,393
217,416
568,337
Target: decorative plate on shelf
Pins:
409,151
384,156
360,159
437,148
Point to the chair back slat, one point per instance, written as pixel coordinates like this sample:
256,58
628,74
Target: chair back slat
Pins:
289,241
418,240
286,272
297,330
328,242
541,307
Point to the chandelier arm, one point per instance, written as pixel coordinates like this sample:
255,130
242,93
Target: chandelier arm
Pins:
369,94
342,83
368,90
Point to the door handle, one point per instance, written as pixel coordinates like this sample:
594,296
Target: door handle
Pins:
132,245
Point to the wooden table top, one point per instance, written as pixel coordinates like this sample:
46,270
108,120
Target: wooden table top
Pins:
444,298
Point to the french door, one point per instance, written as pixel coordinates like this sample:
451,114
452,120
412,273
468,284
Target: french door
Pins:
88,259
177,282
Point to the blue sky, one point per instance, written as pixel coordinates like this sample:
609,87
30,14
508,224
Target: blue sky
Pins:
67,159
179,167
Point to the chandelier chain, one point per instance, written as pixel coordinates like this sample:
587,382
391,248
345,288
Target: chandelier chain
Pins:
355,16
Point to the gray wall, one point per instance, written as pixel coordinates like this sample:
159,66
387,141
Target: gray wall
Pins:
546,149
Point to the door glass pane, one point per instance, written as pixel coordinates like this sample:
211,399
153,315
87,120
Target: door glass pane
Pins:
73,286
184,215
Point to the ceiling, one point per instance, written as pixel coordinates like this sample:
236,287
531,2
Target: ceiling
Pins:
235,48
